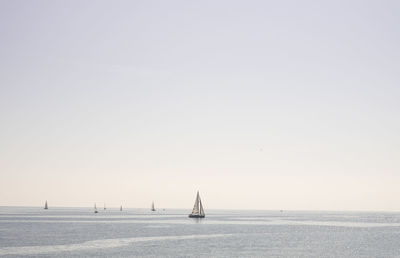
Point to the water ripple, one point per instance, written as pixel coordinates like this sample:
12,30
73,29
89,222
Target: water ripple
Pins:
95,244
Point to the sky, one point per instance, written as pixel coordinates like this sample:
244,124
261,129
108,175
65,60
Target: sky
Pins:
269,105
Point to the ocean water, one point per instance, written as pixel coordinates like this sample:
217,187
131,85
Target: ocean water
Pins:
78,232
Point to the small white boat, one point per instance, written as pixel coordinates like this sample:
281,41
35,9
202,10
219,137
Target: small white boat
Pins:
198,211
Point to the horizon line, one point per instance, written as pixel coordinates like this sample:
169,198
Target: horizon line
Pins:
212,209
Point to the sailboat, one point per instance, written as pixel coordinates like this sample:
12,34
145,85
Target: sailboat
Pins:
104,206
198,211
45,206
95,209
152,207
120,208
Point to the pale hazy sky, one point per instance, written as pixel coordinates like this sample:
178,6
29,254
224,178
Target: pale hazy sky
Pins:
258,104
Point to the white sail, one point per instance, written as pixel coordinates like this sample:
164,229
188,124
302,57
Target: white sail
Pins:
195,210
201,209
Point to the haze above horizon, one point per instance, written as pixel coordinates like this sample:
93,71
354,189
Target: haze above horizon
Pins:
258,104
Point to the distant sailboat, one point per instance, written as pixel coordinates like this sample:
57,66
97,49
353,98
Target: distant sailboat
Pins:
95,209
45,206
104,206
120,208
198,211
152,207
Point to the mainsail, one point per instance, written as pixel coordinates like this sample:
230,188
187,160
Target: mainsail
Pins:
198,210
196,205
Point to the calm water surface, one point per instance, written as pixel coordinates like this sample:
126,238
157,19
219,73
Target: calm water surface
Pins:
78,232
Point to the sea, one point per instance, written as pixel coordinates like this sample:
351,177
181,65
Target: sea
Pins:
79,232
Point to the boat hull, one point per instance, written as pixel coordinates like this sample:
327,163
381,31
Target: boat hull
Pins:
196,216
